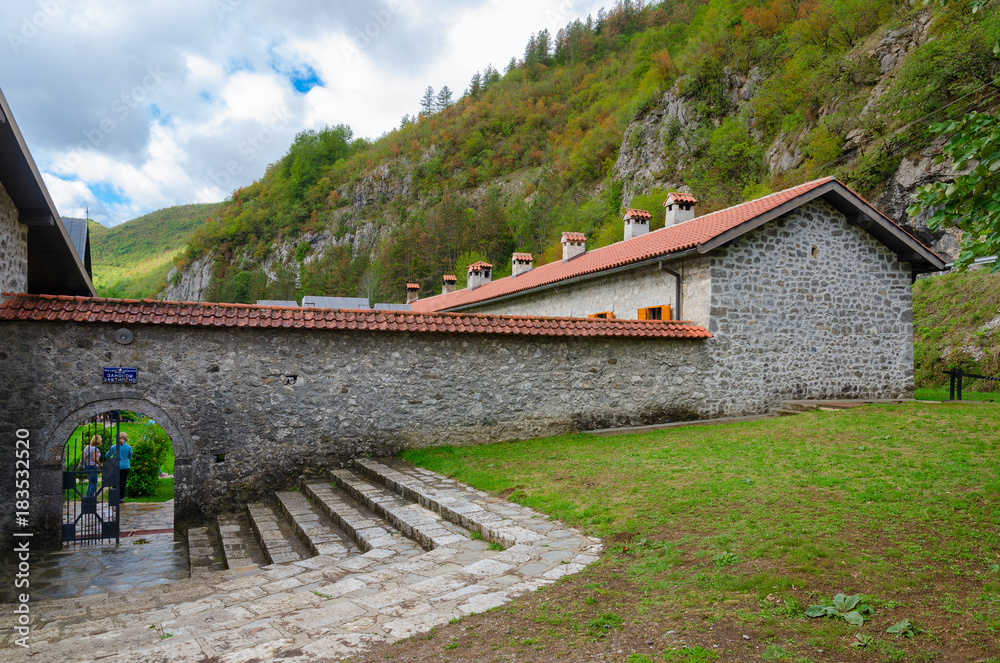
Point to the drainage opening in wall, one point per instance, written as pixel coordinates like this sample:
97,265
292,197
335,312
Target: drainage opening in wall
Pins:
220,458
815,251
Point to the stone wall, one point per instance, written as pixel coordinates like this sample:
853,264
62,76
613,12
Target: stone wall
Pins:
13,247
809,307
623,294
250,410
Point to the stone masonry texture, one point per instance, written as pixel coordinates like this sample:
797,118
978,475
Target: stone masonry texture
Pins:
13,247
809,306
251,410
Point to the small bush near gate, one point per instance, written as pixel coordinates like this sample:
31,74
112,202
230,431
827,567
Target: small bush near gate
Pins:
145,470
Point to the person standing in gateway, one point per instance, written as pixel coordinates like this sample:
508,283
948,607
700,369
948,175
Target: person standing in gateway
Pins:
123,452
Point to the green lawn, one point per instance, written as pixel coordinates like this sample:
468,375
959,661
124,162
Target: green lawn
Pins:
943,394
743,526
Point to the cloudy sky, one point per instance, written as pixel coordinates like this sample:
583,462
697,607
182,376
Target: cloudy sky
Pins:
129,106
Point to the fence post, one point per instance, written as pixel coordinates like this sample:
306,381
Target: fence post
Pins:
951,391
960,373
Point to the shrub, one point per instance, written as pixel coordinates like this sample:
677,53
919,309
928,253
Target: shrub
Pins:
145,470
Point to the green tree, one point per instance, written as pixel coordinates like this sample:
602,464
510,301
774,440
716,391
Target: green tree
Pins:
444,99
972,202
428,102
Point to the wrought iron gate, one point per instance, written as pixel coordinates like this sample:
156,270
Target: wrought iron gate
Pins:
91,509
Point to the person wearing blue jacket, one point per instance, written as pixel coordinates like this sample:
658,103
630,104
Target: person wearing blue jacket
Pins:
123,452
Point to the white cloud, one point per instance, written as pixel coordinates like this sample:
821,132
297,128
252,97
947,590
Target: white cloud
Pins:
224,103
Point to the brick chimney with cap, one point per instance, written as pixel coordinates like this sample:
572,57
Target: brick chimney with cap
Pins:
520,263
449,283
574,244
680,208
412,292
480,273
636,222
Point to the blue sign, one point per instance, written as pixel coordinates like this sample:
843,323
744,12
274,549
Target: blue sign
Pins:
121,375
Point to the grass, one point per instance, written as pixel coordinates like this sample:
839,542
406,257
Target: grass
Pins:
943,394
898,503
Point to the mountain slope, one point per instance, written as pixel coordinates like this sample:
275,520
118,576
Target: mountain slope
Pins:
132,259
726,99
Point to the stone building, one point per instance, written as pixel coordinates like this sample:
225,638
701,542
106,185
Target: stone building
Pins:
806,292
37,251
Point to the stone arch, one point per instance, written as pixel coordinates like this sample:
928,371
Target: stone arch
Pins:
56,442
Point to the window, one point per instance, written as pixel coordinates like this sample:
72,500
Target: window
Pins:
604,315
655,313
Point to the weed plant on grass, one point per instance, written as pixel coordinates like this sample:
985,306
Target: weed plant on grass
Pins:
900,504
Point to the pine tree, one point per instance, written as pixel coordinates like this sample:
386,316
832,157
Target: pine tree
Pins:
476,86
490,76
543,46
531,51
443,98
511,66
428,102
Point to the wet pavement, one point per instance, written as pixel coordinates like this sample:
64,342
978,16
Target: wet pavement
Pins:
147,556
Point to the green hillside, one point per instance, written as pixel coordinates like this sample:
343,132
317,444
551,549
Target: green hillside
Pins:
956,324
132,260
528,153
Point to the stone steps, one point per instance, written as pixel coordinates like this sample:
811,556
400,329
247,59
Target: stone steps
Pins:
204,551
370,532
426,527
275,535
321,608
471,509
320,534
239,548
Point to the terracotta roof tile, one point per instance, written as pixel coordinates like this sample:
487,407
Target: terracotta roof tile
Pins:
413,286
638,214
80,309
662,242
478,266
449,278
523,257
574,237
679,197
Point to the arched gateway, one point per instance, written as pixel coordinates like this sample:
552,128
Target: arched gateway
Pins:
254,397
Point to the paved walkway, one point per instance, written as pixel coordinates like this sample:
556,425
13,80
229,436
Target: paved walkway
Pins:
321,608
148,556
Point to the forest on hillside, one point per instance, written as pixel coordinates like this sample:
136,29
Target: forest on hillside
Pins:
529,152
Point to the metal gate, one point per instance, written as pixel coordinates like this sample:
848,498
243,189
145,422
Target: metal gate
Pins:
91,509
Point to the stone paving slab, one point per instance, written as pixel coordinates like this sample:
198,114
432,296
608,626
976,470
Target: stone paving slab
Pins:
316,609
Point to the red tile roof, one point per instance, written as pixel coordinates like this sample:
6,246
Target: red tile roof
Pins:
413,286
479,266
523,257
450,278
198,314
663,242
638,214
678,197
574,237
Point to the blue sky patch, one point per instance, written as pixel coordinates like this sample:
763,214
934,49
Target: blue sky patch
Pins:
107,194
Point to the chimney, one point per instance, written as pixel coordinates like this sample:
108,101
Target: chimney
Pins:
412,292
521,263
448,284
636,222
680,208
574,244
480,273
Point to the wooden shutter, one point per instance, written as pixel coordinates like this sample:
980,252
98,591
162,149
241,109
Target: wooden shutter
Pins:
644,314
666,313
